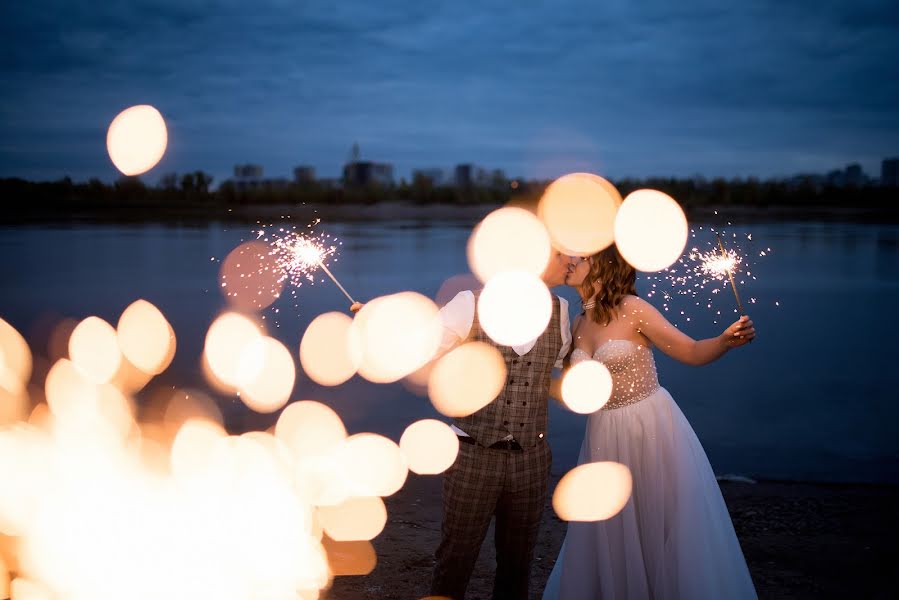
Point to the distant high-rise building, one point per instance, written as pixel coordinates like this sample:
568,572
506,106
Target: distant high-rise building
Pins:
247,177
464,175
304,174
889,172
365,172
854,176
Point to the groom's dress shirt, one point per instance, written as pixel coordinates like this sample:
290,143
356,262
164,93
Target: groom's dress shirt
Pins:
457,317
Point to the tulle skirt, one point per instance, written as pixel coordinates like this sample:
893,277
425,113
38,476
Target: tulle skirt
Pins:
674,538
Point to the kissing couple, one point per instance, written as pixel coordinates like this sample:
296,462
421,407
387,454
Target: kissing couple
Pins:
674,538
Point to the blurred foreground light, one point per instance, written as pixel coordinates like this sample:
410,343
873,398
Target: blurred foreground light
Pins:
650,230
15,359
356,519
136,139
467,379
587,387
579,213
309,429
326,352
250,277
266,375
195,448
509,239
146,338
396,335
189,404
350,558
514,308
430,446
227,338
592,492
372,465
94,349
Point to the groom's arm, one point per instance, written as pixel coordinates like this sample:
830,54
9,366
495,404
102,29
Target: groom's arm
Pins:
555,384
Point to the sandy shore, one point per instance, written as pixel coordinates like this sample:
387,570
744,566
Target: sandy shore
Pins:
801,540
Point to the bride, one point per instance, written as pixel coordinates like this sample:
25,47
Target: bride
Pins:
674,537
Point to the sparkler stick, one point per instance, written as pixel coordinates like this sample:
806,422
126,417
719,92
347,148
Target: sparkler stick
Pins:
334,279
730,276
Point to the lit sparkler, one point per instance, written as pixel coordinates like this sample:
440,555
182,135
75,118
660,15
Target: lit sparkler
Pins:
299,255
704,271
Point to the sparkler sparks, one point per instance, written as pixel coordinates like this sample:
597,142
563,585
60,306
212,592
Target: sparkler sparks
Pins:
703,272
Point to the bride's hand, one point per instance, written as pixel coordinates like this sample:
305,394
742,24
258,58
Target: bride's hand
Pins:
740,333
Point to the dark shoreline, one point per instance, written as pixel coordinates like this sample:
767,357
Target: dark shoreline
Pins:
199,216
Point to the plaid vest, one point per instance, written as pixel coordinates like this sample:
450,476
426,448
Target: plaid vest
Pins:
520,409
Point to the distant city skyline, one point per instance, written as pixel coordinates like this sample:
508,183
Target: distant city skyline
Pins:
766,90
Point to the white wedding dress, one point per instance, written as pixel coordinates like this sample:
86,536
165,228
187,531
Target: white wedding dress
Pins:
674,538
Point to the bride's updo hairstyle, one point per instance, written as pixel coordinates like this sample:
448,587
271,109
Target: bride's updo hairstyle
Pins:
616,278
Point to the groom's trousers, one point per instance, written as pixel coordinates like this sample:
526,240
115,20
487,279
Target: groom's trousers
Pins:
483,482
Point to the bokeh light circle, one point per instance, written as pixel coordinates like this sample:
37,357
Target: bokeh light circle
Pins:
650,230
587,387
226,340
266,374
467,379
514,308
430,446
137,139
372,465
509,239
146,338
94,349
250,277
356,519
593,492
396,335
579,213
327,351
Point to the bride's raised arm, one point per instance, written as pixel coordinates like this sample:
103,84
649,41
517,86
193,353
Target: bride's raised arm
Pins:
678,345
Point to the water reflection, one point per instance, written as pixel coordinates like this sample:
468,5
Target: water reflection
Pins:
811,399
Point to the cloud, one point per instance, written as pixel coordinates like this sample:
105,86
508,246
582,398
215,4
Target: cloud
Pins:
629,89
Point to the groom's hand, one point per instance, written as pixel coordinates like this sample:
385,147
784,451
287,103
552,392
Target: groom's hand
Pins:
740,333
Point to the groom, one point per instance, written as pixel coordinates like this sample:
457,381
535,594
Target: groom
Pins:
504,459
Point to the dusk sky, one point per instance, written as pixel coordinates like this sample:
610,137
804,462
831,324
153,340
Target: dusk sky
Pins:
617,88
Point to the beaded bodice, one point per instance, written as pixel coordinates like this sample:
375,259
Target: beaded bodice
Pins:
632,367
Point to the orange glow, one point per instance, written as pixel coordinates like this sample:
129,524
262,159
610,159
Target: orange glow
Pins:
586,387
509,239
467,379
310,428
397,335
650,230
249,278
372,465
146,338
356,519
350,558
15,359
592,492
226,339
266,375
94,349
579,213
194,448
137,139
189,404
326,351
430,446
4,579
514,308
70,396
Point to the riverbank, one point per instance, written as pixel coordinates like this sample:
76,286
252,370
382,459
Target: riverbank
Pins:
801,540
188,215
